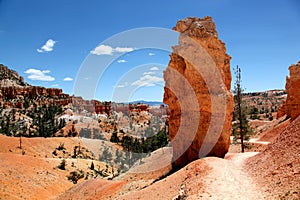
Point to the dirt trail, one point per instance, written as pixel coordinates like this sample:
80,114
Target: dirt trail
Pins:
228,179
256,141
207,178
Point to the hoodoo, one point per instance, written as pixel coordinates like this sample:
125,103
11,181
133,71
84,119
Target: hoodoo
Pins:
291,107
201,118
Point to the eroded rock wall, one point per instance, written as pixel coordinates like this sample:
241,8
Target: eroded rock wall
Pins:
291,107
203,33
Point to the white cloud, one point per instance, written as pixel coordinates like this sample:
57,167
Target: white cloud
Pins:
148,73
47,47
151,54
108,50
68,79
55,85
123,49
38,75
103,50
121,61
148,80
154,68
46,71
122,85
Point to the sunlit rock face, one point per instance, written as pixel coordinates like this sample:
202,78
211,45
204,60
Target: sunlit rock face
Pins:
197,91
291,107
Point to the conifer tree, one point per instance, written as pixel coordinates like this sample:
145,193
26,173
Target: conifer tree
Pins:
242,127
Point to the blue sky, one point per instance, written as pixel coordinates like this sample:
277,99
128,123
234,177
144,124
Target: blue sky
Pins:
50,42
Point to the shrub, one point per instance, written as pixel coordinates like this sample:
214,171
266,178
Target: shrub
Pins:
54,153
75,176
61,147
92,166
62,165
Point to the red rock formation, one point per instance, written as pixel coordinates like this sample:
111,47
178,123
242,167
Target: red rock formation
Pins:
281,110
291,107
10,77
54,92
198,42
129,108
138,107
12,86
102,107
92,106
13,92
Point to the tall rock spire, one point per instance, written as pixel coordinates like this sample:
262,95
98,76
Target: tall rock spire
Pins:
197,90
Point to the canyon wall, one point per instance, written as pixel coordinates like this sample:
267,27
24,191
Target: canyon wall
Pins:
198,37
291,107
14,91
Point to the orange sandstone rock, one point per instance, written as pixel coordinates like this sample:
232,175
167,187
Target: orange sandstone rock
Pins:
291,107
198,93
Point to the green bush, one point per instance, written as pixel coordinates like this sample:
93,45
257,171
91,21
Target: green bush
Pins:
62,165
75,176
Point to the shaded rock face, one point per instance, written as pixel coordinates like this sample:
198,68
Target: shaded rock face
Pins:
291,107
200,101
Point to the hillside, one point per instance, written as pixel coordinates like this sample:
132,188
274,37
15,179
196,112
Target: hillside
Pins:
277,168
273,173
264,105
32,172
207,178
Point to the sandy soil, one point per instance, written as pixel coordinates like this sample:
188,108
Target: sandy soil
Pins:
26,177
32,173
277,168
36,147
93,189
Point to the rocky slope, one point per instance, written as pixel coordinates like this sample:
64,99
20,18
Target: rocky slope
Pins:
197,92
10,77
291,107
277,168
32,172
206,178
